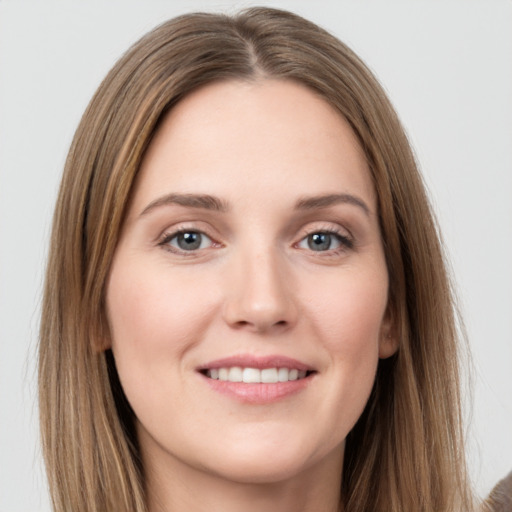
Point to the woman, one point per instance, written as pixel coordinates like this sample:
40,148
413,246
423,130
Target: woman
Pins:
246,301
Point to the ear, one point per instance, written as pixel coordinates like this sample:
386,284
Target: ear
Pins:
101,345
102,340
389,339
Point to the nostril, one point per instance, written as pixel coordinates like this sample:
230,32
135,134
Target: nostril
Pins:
242,323
261,325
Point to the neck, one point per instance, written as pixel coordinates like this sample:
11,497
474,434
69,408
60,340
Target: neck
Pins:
174,486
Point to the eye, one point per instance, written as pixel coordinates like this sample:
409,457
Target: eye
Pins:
187,241
324,241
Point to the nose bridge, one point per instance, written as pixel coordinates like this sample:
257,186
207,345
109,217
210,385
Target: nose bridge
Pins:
259,297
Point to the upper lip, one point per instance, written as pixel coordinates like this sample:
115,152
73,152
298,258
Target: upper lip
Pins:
260,362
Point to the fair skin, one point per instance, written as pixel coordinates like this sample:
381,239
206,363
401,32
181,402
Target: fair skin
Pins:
266,276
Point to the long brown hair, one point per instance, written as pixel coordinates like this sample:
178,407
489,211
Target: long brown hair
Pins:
406,452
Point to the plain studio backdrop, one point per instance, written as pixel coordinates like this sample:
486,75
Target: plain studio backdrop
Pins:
447,67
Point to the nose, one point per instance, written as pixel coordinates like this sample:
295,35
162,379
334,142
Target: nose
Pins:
259,296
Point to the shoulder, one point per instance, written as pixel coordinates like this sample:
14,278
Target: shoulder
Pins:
500,498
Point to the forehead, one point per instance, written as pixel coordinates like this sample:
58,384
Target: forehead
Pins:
234,137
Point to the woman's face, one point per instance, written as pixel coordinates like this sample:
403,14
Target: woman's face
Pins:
247,296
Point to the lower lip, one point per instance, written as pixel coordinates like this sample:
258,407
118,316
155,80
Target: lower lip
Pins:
258,393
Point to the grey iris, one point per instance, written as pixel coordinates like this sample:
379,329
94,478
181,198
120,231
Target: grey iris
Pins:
189,241
319,241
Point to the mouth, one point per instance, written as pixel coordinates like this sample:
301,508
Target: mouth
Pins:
250,375
257,380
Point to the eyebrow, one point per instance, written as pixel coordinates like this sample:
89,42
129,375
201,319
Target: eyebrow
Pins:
204,201
212,203
324,201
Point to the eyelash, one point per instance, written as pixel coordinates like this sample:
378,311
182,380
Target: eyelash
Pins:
168,237
346,242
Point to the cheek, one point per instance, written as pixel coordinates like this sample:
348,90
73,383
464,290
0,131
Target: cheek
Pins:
156,319
352,339
348,319
153,317
349,311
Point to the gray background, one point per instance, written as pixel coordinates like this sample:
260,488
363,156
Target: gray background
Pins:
448,69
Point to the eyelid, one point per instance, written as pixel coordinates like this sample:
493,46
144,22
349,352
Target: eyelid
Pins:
344,236
325,227
182,226
170,233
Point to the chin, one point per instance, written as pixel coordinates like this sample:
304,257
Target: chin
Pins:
263,464
272,470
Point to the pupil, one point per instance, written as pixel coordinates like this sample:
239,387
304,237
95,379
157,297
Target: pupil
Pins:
319,241
189,241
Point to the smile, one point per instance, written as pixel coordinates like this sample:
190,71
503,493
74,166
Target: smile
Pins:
256,375
257,380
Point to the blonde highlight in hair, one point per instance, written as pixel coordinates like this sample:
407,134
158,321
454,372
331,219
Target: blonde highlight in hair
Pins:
406,452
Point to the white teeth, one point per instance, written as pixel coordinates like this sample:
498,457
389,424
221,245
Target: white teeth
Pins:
235,374
256,376
251,375
269,375
282,374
